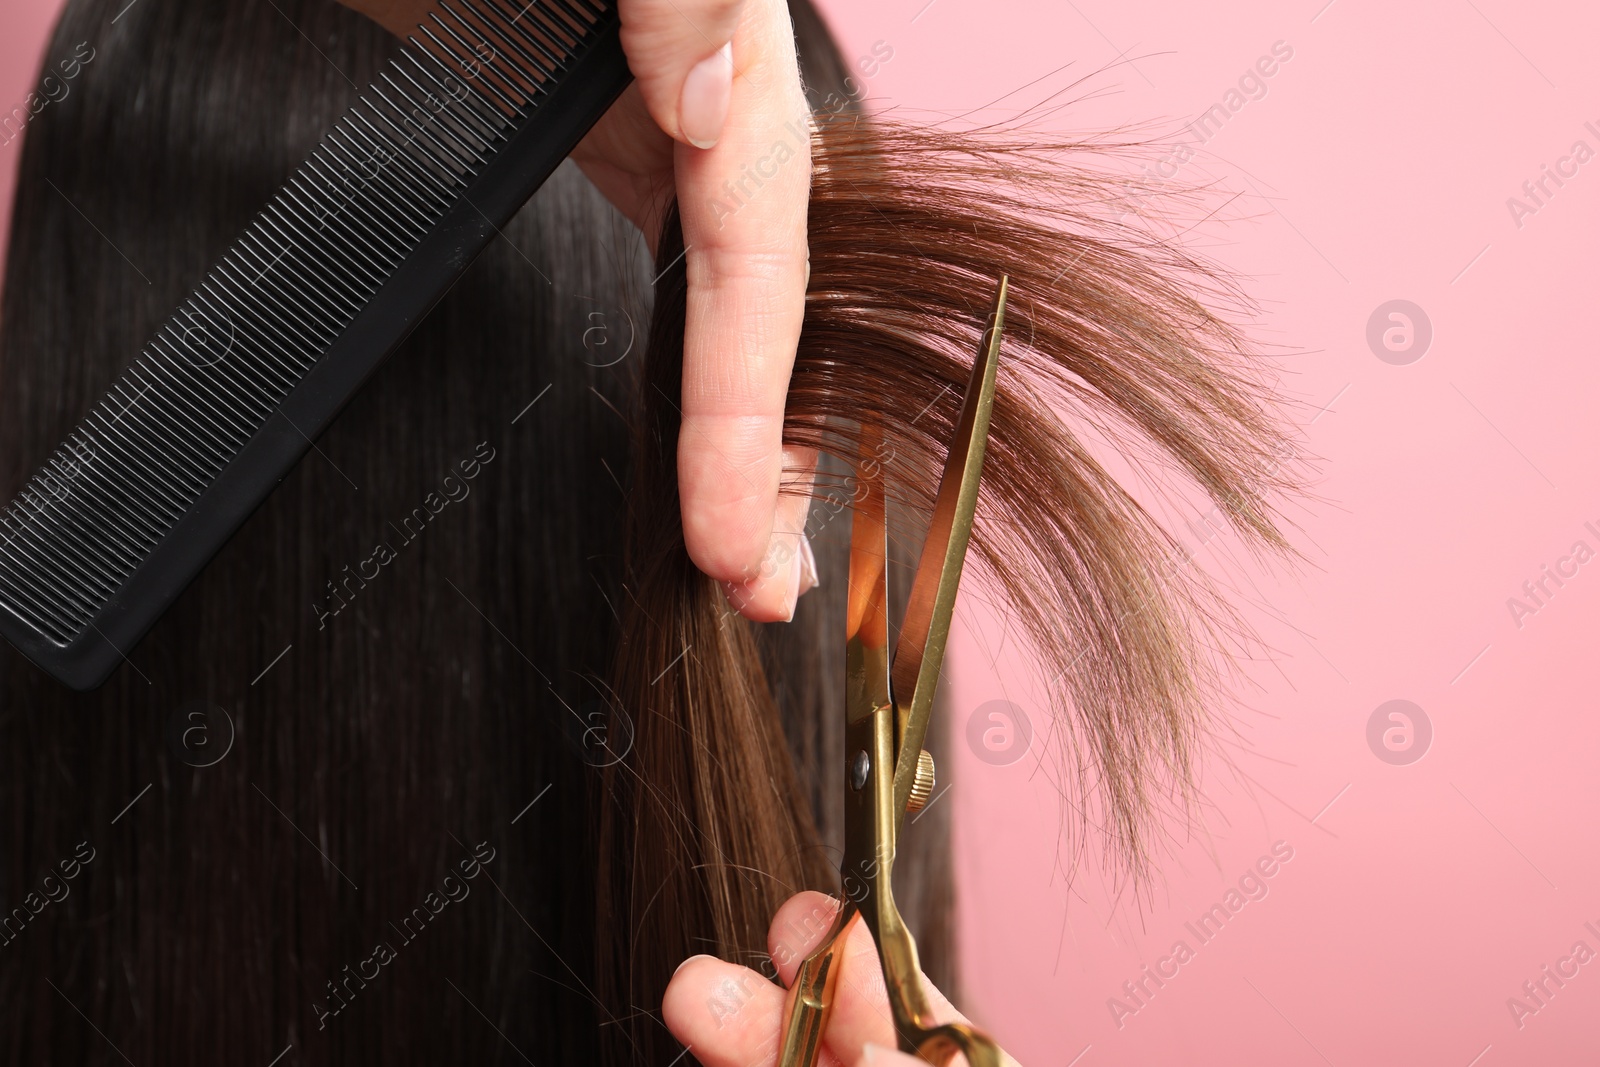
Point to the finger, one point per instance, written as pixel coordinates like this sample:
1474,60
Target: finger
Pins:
743,205
399,17
879,1056
797,929
729,1016
679,53
861,1015
861,999
789,569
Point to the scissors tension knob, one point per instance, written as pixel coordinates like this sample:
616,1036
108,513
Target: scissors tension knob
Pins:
922,785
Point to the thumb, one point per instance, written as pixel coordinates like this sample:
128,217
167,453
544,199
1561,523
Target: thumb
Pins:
681,54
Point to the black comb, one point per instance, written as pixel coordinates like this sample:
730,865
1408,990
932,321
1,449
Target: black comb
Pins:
470,118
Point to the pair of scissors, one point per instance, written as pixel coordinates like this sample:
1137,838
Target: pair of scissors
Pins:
888,706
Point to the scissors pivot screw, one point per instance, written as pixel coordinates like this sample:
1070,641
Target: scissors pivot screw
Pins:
922,787
859,768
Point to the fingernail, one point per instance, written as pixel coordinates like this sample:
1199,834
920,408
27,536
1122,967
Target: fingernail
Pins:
808,567
707,92
796,584
871,1054
691,959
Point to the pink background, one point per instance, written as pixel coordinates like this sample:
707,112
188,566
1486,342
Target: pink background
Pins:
1376,167
1420,897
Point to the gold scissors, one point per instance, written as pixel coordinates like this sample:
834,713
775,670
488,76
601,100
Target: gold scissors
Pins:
887,773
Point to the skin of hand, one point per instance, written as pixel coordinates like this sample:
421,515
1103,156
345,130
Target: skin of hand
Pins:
731,1016
717,93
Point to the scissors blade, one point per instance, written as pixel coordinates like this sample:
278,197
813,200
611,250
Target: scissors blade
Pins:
866,613
919,653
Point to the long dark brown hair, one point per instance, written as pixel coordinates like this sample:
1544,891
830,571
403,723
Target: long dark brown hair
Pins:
478,806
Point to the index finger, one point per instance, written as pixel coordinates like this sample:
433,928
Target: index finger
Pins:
743,205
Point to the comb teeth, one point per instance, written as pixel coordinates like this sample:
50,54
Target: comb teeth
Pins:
218,369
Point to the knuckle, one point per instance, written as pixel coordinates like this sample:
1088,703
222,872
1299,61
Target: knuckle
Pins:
740,265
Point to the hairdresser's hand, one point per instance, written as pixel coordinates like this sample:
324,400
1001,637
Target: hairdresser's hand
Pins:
731,1016
717,117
